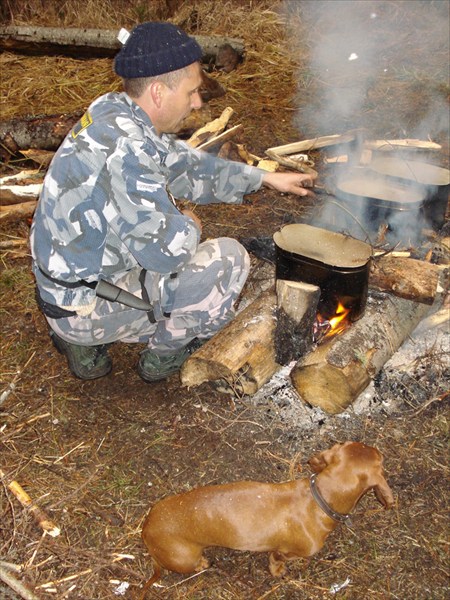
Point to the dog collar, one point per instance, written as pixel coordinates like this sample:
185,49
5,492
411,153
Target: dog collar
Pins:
339,517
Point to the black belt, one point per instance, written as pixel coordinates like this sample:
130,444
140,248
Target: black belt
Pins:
103,289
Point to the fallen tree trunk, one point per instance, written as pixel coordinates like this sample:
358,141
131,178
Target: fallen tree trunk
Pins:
46,132
407,278
334,375
241,357
91,43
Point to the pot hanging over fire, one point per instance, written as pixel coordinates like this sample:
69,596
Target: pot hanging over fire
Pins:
336,263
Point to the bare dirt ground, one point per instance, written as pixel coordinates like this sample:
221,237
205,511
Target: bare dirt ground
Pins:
96,455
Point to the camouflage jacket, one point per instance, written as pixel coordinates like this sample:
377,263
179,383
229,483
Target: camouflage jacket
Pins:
106,205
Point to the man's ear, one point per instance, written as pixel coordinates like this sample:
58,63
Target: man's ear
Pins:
156,90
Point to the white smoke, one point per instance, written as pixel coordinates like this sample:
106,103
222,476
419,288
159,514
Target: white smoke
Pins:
378,64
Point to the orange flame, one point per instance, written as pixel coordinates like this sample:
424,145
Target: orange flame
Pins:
328,327
337,323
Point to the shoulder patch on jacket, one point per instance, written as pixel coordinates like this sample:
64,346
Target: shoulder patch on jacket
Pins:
82,124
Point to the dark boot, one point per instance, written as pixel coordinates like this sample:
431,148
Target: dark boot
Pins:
153,367
85,362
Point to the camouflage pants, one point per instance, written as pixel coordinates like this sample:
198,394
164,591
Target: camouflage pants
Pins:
206,291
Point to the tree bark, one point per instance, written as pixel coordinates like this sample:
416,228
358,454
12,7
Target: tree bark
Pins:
241,357
91,43
334,375
44,132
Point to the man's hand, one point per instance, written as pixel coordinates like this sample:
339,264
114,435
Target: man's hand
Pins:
290,183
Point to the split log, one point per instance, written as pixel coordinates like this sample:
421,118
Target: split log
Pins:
296,314
92,43
408,278
43,132
241,357
403,144
211,129
312,144
334,375
221,138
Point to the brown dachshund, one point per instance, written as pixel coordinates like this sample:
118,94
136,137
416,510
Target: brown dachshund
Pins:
289,520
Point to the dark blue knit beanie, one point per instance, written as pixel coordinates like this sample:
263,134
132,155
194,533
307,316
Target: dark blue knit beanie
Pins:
156,48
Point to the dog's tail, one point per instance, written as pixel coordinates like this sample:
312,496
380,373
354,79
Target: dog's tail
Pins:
153,579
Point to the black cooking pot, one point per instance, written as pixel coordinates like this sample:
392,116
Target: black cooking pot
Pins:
375,199
336,263
435,180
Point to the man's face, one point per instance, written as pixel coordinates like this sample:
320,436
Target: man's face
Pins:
178,103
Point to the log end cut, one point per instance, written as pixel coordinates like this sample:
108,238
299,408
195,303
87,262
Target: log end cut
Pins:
323,386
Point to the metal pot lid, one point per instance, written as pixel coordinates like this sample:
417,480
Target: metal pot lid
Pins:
328,247
365,183
414,170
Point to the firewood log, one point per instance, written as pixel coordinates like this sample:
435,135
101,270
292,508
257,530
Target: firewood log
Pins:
408,278
17,211
241,357
297,309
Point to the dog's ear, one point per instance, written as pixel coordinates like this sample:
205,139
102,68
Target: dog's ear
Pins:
383,492
318,462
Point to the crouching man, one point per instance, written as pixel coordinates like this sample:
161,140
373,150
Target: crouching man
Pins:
113,257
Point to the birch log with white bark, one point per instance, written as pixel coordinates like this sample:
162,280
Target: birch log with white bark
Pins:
334,375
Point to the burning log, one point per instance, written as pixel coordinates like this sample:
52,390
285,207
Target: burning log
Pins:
408,278
334,375
241,358
297,309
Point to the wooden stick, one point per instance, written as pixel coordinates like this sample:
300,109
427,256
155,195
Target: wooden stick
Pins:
387,145
219,139
306,145
16,585
40,516
213,128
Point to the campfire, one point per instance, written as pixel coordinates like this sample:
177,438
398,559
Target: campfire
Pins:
337,312
326,326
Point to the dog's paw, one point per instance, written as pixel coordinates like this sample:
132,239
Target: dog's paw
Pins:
277,566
